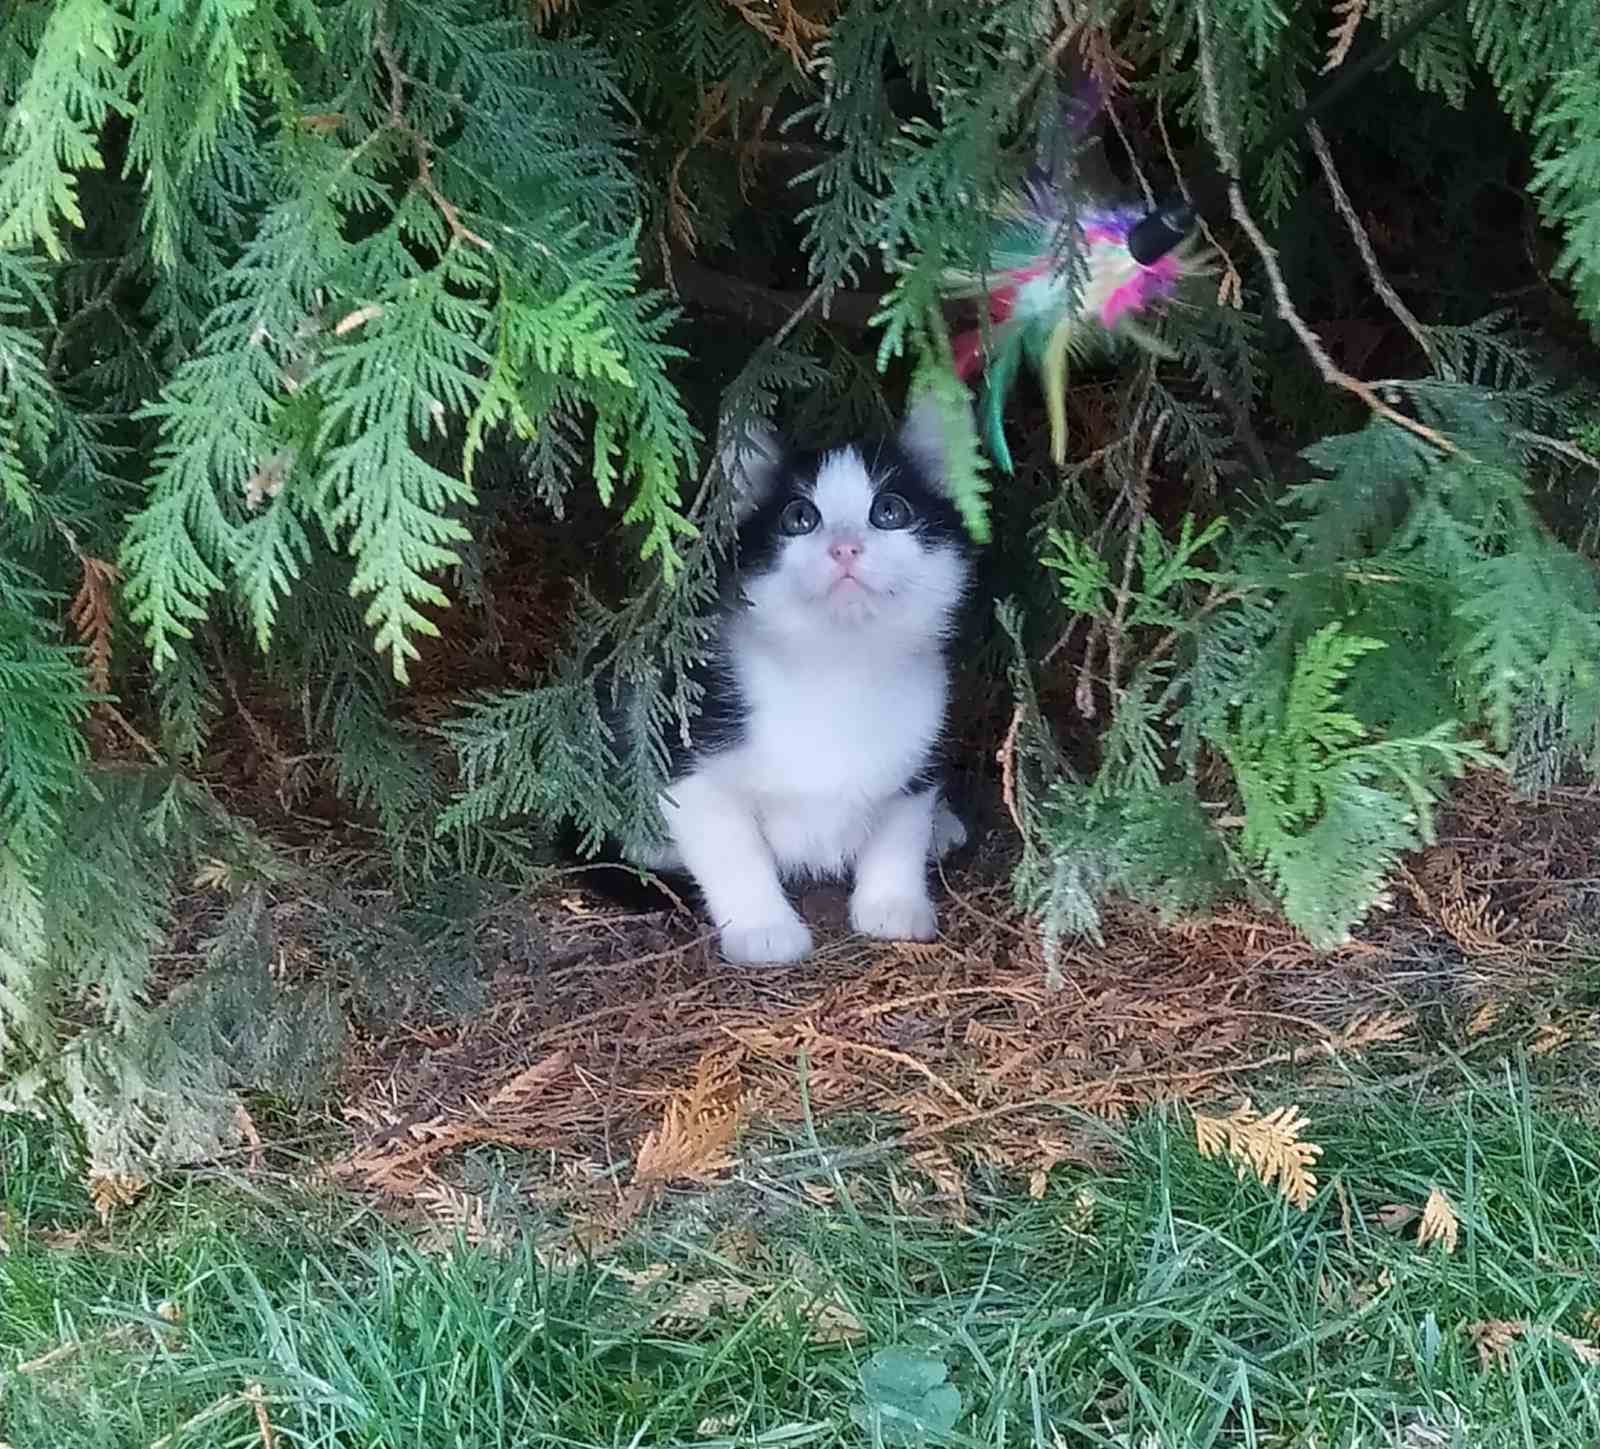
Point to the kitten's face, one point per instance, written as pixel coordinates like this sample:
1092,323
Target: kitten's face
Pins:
856,539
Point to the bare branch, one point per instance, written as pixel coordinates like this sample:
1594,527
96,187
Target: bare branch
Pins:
1358,233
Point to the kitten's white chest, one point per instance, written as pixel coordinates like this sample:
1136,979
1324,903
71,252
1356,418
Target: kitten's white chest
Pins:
828,742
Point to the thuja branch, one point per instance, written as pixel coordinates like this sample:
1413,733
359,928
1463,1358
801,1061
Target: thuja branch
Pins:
1330,372
1358,233
421,147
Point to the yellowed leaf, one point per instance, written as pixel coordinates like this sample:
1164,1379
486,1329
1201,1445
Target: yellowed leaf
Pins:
1494,1337
359,318
698,1126
1269,1147
1439,1222
1343,34
1586,1352
937,1165
109,1191
1485,1017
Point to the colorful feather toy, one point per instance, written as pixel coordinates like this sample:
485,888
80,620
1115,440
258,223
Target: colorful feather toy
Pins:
1036,311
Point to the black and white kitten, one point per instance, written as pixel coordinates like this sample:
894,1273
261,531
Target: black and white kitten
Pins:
825,701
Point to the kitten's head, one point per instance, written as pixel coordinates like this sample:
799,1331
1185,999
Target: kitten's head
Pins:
863,537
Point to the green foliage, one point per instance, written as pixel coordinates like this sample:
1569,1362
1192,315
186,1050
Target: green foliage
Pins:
308,306
1328,813
907,1396
1327,675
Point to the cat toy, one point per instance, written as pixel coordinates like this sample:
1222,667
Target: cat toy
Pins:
1071,277
1055,309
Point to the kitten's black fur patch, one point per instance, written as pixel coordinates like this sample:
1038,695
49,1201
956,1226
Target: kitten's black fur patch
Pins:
936,519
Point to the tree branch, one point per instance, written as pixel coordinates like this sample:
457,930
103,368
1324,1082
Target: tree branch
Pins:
1330,372
1358,233
760,306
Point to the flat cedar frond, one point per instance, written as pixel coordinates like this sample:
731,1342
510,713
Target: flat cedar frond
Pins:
941,1169
1343,34
698,1127
1380,1026
528,1085
692,1305
93,615
457,1215
786,26
1439,1222
1494,1337
109,1191
1270,1147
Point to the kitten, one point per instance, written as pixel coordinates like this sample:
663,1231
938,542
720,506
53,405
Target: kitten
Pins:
814,754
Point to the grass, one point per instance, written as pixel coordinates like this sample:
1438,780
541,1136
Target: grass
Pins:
1160,1304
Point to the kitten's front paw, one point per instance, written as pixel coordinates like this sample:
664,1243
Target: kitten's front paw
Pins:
895,918
772,944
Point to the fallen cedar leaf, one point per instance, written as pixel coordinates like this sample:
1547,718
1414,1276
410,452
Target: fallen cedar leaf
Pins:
109,1191
1439,1222
694,1139
359,318
1382,1026
1269,1146
831,1322
1494,1337
937,1165
1485,1017
642,1278
1394,1216
1081,1216
1588,1353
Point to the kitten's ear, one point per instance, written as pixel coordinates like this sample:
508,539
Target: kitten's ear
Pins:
923,436
750,460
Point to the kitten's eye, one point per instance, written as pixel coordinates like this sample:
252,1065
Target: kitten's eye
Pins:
889,511
799,516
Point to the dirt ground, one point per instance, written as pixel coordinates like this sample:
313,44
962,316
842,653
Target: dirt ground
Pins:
618,1054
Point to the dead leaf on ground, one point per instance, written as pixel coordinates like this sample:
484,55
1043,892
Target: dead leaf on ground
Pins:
695,1137
109,1191
1269,1147
1439,1222
1494,1337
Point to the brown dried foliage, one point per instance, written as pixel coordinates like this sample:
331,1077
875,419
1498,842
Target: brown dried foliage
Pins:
1494,1337
1270,1147
795,30
634,1058
93,615
661,1056
1343,34
1440,1223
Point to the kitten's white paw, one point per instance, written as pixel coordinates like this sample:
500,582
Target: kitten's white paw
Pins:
949,833
895,918
771,944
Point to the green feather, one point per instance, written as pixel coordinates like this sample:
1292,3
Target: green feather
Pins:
1003,364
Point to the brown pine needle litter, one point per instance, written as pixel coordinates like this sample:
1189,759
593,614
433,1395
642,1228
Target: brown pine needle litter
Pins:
641,1061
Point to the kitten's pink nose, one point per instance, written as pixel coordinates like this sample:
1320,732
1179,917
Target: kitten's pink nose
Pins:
845,550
